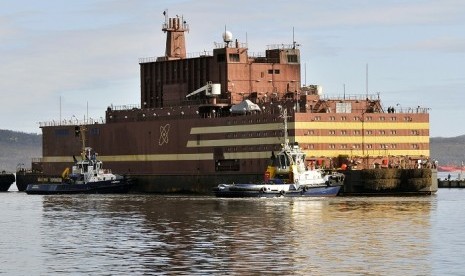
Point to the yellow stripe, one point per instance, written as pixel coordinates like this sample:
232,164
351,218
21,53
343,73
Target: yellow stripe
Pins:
311,125
359,139
310,140
248,155
243,155
236,128
53,159
234,142
358,125
166,157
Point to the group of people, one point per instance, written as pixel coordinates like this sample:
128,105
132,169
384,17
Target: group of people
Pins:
391,109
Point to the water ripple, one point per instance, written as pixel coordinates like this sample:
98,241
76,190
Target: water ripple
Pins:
182,235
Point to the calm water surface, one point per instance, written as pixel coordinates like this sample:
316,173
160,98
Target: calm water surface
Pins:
152,234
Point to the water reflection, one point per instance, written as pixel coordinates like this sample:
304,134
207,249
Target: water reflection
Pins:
368,236
200,235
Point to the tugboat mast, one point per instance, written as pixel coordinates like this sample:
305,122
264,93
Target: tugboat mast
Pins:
284,116
80,131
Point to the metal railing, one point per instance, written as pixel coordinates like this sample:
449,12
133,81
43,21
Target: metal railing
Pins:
282,46
125,107
188,55
72,122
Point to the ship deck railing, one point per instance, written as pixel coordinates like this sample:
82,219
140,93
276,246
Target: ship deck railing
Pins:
91,121
410,110
124,107
188,55
350,97
282,46
219,45
72,122
257,56
167,104
374,97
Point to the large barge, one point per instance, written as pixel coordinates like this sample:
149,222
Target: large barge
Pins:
214,118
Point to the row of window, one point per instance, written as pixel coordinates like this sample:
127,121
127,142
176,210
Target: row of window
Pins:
318,118
357,132
358,146
254,134
254,148
312,132
366,118
367,146
275,71
251,121
236,58
329,146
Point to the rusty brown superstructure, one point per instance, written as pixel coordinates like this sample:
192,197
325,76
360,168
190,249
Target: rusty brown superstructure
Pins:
178,141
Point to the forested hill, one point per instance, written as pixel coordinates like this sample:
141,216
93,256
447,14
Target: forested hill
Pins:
19,147
448,151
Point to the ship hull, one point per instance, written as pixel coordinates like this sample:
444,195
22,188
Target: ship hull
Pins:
355,182
256,190
24,178
456,183
101,187
188,155
390,182
150,183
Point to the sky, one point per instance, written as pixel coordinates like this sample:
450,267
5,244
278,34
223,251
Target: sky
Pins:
72,59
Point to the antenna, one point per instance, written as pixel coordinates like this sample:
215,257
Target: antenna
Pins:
227,37
293,39
165,13
60,109
305,72
366,81
284,115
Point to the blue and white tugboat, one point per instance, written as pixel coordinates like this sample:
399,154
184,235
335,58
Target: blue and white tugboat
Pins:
287,176
87,177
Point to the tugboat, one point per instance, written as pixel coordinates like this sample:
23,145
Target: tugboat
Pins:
6,179
287,176
87,177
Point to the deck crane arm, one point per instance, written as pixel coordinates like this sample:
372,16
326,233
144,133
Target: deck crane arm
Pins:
210,89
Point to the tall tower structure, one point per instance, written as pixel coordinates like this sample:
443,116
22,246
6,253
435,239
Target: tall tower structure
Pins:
175,41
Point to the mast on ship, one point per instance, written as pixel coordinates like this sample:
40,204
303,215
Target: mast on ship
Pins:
284,116
175,39
81,132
